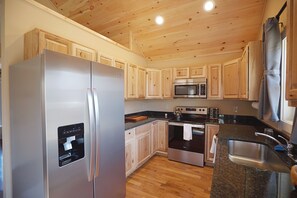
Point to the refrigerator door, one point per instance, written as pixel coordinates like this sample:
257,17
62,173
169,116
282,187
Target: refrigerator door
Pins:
108,90
67,81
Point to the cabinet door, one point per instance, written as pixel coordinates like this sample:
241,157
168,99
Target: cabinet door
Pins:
231,79
181,73
129,156
141,82
167,83
214,82
243,74
199,71
143,147
37,40
132,81
130,151
83,52
120,64
163,136
153,83
291,84
54,43
105,60
211,130
155,137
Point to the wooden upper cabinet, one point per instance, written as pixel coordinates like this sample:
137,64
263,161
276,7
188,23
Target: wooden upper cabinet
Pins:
181,72
154,86
214,81
37,40
231,78
243,75
84,52
120,64
167,81
106,60
141,82
198,71
291,70
251,71
132,73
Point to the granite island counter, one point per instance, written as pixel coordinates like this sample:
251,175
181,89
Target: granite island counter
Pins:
234,180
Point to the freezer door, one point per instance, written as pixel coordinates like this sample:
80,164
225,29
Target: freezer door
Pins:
108,89
67,81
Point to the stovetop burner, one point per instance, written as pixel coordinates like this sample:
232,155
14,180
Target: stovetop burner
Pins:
192,115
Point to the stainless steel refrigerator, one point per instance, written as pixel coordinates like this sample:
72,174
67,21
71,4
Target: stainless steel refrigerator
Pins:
67,128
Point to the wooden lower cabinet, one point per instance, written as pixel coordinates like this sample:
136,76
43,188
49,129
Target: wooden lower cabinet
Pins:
211,130
163,136
155,137
130,151
143,142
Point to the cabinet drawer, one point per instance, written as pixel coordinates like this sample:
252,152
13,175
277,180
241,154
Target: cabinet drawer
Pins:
142,129
129,134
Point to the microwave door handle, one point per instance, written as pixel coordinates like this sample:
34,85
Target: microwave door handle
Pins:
91,135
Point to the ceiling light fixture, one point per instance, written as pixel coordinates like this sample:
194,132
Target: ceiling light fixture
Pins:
159,20
208,5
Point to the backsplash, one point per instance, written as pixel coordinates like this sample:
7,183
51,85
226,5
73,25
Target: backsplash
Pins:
232,107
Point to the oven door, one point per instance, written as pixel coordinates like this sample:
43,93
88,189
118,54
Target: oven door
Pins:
186,90
176,141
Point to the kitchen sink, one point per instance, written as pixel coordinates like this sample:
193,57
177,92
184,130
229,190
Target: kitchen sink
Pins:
255,155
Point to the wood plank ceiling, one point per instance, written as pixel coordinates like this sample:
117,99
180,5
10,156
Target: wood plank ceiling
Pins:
188,31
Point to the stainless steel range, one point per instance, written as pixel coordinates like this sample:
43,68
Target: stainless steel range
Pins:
186,135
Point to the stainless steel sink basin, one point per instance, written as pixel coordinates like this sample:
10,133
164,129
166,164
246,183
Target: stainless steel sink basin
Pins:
255,155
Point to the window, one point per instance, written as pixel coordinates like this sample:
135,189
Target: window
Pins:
287,112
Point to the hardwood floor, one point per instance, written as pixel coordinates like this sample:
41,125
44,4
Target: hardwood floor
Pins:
160,177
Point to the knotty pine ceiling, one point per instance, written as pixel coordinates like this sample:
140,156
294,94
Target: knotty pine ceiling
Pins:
188,31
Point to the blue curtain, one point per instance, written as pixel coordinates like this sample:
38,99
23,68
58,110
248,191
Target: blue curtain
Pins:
270,91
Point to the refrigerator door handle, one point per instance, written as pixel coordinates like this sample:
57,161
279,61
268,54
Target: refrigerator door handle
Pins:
96,105
92,131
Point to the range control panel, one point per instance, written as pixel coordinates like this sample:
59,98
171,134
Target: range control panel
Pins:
192,110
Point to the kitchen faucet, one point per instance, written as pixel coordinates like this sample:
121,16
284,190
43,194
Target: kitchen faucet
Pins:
288,147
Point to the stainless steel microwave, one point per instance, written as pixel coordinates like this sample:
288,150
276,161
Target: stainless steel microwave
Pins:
190,88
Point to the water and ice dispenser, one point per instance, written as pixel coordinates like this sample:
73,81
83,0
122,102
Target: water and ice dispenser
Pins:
71,143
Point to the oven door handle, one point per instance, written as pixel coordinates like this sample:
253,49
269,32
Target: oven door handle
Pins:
182,124
197,132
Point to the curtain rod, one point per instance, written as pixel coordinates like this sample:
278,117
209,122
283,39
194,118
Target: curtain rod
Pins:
281,11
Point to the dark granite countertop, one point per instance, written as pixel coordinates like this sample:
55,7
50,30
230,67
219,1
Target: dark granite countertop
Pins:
233,180
152,116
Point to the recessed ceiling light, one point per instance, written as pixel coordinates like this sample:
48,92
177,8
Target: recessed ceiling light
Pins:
208,5
159,20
